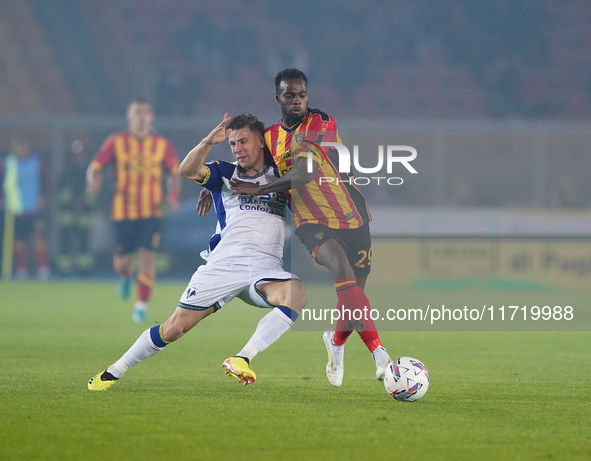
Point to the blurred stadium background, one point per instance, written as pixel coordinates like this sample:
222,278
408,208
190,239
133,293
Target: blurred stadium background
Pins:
495,95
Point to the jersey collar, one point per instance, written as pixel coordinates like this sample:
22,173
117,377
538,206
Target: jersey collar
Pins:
243,176
292,128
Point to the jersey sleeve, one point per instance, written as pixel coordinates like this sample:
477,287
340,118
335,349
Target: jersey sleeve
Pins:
170,158
216,172
105,154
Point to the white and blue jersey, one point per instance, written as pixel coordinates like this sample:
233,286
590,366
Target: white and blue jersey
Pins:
250,229
247,248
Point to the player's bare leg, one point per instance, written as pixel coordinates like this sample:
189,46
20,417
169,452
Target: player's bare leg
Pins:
122,266
122,263
146,278
289,297
290,292
181,321
150,342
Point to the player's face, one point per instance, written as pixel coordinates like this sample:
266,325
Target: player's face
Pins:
247,147
292,98
140,118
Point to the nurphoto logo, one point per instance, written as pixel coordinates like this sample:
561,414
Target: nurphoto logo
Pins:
344,163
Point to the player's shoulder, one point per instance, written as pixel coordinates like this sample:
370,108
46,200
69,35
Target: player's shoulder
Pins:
110,141
273,127
226,168
117,135
320,120
320,115
120,134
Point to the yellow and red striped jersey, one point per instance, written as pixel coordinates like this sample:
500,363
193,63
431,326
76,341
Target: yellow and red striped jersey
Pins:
138,165
335,204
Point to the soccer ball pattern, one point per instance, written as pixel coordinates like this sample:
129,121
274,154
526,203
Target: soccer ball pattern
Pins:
406,379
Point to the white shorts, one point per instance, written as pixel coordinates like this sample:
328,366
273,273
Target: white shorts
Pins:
216,285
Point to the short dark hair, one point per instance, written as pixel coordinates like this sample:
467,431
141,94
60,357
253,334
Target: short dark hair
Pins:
289,73
256,126
246,120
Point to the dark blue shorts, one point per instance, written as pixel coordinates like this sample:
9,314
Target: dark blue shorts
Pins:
140,233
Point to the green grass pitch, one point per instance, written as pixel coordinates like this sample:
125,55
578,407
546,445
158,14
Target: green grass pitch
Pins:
493,395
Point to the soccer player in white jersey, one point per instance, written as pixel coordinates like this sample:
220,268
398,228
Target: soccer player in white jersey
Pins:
244,258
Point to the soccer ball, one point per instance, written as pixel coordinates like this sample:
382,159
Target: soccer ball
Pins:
406,379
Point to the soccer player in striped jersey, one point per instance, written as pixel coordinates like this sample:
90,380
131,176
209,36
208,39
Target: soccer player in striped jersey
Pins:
139,157
331,218
244,258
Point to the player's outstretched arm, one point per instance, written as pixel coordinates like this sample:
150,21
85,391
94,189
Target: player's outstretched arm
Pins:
94,180
174,192
192,165
297,176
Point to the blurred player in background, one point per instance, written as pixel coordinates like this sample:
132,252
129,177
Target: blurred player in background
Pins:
139,156
26,188
332,219
244,258
74,218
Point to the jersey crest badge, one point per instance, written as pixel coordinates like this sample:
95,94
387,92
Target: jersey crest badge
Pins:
319,235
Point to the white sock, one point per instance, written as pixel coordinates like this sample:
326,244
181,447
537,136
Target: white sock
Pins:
380,356
118,369
269,330
143,348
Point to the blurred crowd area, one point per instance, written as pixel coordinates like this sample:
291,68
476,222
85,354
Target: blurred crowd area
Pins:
452,59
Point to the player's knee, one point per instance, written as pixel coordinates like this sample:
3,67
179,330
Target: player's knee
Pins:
147,263
181,322
173,331
299,300
122,264
118,264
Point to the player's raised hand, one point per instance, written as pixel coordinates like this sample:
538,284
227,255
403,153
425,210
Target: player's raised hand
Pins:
240,187
219,133
204,203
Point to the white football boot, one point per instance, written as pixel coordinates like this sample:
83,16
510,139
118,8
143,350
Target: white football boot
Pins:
335,367
382,360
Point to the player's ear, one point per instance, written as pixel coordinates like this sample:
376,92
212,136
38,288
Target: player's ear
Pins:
277,98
